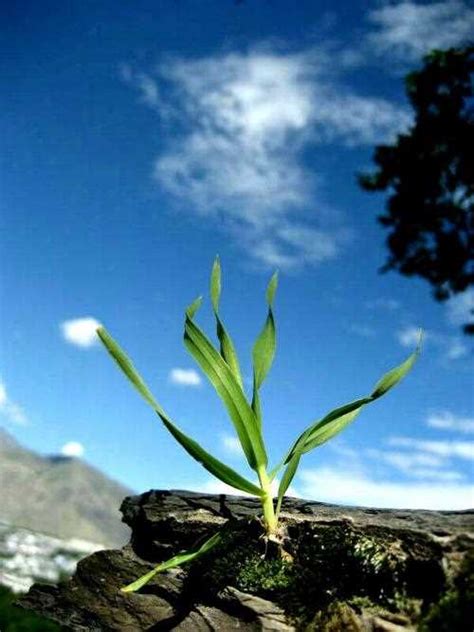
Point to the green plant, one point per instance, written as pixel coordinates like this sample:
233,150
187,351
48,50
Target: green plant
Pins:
223,370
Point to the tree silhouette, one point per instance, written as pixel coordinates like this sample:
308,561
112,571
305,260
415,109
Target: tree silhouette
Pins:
429,174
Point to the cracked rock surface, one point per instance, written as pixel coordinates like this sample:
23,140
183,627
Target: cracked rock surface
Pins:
353,569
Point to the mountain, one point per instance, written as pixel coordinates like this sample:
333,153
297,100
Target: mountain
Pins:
60,496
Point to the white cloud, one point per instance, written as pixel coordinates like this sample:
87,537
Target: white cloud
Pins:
232,445
406,461
246,120
3,394
145,84
355,488
460,308
455,348
10,410
184,377
448,421
409,336
72,449
455,449
407,30
418,465
80,331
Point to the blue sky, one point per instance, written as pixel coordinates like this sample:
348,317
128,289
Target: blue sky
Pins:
139,141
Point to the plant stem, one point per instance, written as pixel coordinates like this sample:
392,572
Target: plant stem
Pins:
269,516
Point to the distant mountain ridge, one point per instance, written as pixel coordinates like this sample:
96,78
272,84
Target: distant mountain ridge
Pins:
63,496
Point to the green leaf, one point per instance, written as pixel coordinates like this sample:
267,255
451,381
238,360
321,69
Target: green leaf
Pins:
126,366
227,348
193,308
228,351
177,560
212,465
335,421
264,349
222,378
216,284
271,289
327,430
256,406
395,375
286,479
330,425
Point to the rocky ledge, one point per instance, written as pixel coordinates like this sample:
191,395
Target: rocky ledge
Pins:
345,568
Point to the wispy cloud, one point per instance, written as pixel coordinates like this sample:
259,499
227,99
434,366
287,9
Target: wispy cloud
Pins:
244,121
456,449
405,31
460,308
357,488
80,332
446,420
455,348
72,449
415,464
409,336
9,409
450,348
184,377
400,472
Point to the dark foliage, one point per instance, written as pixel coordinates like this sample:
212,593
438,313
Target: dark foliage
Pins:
429,174
13,619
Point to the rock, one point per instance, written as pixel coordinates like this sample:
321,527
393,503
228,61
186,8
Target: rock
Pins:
356,569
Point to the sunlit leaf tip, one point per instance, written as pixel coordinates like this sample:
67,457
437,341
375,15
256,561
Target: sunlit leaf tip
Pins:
193,308
216,283
271,289
392,377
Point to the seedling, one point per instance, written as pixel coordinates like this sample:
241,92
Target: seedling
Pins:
223,371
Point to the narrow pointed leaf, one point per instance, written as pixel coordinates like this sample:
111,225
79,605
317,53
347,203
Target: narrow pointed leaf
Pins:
193,308
264,348
213,465
232,409
394,376
324,432
286,479
229,390
331,424
216,284
339,418
264,351
228,351
256,407
227,348
177,560
126,365
271,289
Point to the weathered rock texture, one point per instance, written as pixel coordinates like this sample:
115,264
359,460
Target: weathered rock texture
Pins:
352,569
